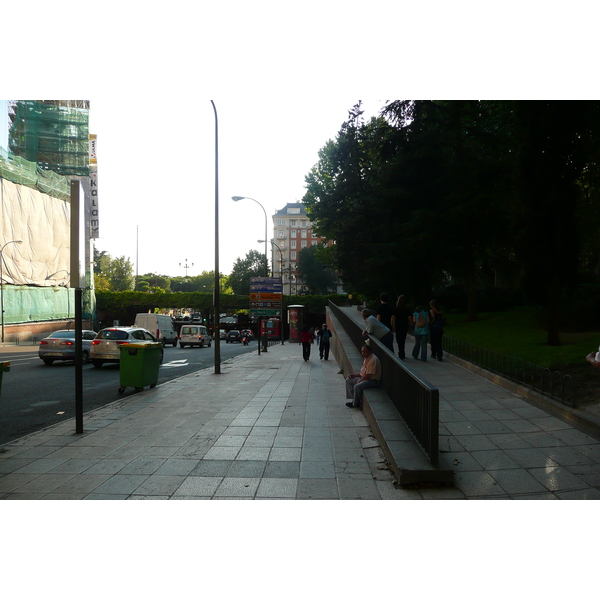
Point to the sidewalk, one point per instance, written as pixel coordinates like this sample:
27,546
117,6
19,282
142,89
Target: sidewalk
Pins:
276,427
270,426
501,446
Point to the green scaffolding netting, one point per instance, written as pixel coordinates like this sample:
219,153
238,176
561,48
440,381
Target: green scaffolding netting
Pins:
52,133
23,172
24,304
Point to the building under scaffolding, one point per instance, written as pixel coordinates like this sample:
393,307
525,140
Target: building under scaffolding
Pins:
49,145
52,133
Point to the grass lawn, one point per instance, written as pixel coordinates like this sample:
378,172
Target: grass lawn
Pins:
517,332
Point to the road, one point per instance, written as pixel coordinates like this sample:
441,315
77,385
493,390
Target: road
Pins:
35,395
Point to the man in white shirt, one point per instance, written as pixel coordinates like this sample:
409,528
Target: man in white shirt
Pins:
369,376
375,328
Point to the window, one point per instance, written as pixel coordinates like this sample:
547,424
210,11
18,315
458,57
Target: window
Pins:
304,243
303,233
303,222
293,222
293,211
281,234
293,244
293,233
293,255
281,222
314,242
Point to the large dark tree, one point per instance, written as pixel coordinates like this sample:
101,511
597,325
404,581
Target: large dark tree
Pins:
253,265
315,275
555,144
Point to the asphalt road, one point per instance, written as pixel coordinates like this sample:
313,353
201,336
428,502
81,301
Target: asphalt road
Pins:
35,395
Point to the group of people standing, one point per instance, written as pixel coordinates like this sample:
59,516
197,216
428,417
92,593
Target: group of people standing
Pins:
308,336
399,319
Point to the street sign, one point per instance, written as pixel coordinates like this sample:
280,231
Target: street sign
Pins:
267,280
266,305
265,312
278,288
267,296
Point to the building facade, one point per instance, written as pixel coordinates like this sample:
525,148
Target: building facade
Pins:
292,232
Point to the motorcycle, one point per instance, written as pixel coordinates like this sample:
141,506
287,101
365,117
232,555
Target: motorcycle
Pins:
245,340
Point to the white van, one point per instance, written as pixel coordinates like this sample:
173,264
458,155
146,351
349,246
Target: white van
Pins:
194,335
160,326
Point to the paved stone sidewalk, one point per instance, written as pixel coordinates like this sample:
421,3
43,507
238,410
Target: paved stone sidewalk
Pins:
276,427
270,426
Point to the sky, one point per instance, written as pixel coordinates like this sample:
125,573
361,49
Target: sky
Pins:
156,174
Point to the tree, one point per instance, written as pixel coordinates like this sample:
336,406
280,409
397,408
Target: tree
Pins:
554,143
316,276
342,199
113,274
253,265
153,282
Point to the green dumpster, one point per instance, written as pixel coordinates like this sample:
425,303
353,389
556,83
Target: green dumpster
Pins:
4,366
139,365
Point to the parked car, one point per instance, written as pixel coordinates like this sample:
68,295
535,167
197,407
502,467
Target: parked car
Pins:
161,326
105,348
233,336
194,335
60,345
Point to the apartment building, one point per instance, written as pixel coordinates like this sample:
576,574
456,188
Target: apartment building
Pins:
293,231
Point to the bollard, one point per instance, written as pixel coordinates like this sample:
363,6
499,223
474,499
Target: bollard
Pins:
4,368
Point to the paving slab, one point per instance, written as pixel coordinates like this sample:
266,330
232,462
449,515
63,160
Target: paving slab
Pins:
276,427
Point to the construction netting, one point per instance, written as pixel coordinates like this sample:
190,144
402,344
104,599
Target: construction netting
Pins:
18,170
52,133
39,226
24,304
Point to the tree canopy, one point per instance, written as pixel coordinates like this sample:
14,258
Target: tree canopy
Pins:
476,194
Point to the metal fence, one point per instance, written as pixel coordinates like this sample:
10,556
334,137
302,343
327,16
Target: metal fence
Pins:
416,400
551,383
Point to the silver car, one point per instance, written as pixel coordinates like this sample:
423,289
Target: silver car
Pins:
60,345
105,348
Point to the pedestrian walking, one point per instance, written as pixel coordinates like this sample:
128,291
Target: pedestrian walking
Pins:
306,341
400,322
324,342
436,330
421,322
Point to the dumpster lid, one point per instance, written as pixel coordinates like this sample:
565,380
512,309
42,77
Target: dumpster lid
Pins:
141,345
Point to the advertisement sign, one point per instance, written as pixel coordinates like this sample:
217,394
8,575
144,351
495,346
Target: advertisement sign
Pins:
265,296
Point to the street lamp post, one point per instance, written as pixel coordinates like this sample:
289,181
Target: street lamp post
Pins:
237,199
2,281
186,267
217,290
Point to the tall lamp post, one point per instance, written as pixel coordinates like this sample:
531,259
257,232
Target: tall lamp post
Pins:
237,199
2,281
217,290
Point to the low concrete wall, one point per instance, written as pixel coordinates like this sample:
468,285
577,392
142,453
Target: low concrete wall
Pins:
32,333
406,457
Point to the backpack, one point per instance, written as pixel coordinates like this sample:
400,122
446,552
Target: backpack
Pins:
421,321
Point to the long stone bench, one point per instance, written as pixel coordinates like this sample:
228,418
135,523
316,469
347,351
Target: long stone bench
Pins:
407,459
